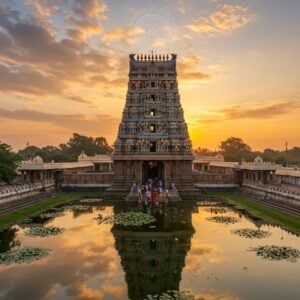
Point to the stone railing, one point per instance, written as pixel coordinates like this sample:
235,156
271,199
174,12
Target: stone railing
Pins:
271,187
272,191
17,191
213,178
88,178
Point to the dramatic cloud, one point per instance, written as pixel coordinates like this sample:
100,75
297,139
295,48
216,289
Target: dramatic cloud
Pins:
124,34
76,122
270,110
226,19
188,69
79,99
82,30
34,61
27,80
89,8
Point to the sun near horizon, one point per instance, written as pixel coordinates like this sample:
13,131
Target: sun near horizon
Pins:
64,67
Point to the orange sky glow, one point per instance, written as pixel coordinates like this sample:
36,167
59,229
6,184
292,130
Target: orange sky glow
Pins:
64,67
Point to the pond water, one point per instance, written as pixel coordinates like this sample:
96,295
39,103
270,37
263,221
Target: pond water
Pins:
183,250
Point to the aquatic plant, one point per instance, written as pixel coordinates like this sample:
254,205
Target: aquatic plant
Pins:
216,210
251,233
23,255
171,295
272,252
80,208
44,231
49,215
223,219
133,219
126,219
91,200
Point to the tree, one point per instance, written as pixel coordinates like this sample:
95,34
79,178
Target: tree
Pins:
68,151
78,143
234,149
204,152
9,162
29,152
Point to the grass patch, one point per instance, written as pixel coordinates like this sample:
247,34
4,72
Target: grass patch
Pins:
24,213
269,214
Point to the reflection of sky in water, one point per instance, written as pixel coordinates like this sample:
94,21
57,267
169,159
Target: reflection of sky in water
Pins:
84,263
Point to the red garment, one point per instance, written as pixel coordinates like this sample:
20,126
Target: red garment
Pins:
153,196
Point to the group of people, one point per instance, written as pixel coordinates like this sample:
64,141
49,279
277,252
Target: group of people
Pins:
150,191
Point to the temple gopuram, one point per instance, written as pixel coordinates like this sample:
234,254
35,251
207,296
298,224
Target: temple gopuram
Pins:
153,139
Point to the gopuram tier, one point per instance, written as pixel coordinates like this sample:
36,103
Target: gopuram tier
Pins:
153,139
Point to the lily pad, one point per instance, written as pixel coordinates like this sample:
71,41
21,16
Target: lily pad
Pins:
80,208
272,252
251,233
23,255
223,219
133,219
91,200
51,215
216,210
44,231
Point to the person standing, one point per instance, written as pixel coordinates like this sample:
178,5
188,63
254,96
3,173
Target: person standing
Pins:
167,196
140,194
148,196
153,199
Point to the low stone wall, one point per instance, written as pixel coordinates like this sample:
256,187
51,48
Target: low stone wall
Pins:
87,178
269,192
213,178
20,191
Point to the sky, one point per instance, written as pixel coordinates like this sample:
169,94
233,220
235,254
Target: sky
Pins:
64,67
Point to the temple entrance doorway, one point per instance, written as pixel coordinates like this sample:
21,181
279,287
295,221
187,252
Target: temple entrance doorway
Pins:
153,170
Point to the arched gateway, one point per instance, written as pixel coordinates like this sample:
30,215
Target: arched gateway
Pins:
153,139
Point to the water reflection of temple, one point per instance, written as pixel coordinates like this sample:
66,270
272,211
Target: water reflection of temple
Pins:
154,257
8,239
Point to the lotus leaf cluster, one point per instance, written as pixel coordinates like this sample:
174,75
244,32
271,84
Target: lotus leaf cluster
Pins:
216,210
223,219
23,255
133,219
51,215
80,208
91,200
273,252
171,295
251,233
44,231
